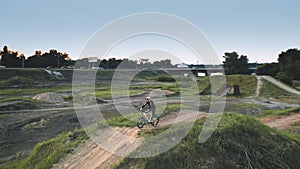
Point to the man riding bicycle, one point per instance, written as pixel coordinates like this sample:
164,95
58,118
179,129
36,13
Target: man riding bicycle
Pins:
149,106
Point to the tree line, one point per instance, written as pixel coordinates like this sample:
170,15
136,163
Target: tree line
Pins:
56,59
53,58
286,69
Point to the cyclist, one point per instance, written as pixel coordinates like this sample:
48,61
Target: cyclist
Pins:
149,106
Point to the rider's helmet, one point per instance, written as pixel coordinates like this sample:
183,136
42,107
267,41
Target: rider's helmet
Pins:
148,98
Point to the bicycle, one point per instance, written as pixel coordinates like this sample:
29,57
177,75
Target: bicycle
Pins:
145,120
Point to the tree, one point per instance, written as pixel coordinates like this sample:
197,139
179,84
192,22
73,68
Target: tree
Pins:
4,55
52,58
235,64
284,78
34,60
289,63
270,69
10,58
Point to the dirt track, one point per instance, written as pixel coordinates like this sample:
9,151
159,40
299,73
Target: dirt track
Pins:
91,156
282,122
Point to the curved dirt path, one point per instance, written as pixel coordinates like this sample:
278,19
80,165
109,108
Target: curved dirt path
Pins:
259,85
281,85
282,122
92,156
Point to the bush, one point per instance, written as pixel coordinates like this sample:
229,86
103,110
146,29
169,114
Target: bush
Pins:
165,79
270,69
284,78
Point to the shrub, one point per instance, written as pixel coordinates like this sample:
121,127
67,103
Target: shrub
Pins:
284,78
165,79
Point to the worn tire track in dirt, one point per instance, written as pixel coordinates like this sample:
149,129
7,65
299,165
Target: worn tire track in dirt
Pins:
92,156
258,86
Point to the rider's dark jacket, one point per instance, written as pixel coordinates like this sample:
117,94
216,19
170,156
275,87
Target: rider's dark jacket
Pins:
149,105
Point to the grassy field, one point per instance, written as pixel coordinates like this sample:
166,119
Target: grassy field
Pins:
48,152
239,142
19,103
272,92
34,90
278,113
295,129
296,84
246,83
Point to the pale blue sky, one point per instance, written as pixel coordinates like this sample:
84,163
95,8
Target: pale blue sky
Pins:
258,29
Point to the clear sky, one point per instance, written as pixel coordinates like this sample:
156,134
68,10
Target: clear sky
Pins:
260,29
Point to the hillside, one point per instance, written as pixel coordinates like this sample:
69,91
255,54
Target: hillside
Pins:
239,142
246,83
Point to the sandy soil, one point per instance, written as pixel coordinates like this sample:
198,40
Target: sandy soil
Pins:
283,122
90,155
259,86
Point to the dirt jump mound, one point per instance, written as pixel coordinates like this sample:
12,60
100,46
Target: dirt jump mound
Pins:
49,97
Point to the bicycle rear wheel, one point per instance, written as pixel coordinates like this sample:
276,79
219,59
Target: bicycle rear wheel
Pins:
155,121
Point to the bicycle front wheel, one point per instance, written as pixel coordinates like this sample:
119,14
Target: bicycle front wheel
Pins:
141,122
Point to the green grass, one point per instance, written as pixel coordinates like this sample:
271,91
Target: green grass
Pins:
131,119
239,142
34,90
294,129
165,78
165,86
119,93
278,113
270,90
20,103
30,73
18,80
296,84
174,88
48,152
101,90
247,84
237,106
